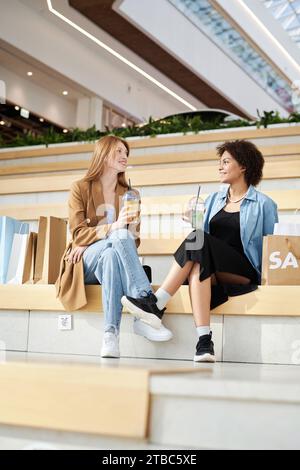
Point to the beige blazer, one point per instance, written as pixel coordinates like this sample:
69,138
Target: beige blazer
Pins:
84,200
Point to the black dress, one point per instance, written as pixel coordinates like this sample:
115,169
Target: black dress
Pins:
219,251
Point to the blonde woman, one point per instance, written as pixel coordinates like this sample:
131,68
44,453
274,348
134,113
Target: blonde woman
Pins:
104,244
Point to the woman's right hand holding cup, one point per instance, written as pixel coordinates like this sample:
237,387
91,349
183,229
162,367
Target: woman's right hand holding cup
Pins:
126,217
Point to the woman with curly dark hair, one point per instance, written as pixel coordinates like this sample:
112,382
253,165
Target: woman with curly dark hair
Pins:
225,258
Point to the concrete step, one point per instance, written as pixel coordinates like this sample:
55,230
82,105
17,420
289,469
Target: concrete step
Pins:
238,338
211,406
235,406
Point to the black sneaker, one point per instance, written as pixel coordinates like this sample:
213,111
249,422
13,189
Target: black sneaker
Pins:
144,308
205,349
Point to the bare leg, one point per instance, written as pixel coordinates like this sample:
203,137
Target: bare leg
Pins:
176,277
200,292
200,295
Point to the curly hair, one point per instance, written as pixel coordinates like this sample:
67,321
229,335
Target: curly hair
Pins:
248,156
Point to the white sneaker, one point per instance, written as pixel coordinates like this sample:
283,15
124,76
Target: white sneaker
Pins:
153,334
110,345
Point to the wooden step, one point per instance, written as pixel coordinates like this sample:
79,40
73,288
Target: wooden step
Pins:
153,177
165,205
266,300
76,398
137,160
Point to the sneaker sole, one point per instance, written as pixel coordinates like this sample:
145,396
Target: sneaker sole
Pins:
109,356
148,318
153,338
205,358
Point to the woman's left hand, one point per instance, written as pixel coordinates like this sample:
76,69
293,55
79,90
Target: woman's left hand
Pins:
76,254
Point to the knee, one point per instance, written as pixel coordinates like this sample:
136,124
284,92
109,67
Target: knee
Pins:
108,257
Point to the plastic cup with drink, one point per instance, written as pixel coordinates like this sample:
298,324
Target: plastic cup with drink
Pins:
195,212
131,202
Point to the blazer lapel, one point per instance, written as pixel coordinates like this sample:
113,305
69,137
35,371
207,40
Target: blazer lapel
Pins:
97,197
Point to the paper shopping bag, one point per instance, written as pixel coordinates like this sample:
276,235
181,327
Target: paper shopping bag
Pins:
28,271
17,259
51,244
8,227
287,228
281,260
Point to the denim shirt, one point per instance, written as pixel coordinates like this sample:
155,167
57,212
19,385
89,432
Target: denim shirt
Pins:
258,214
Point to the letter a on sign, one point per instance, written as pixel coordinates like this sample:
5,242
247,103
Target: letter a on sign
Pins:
290,260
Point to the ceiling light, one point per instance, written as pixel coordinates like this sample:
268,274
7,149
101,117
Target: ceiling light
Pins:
29,74
41,119
24,113
65,131
65,92
17,108
119,56
2,123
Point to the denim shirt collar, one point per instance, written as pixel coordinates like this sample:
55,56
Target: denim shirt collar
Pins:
251,193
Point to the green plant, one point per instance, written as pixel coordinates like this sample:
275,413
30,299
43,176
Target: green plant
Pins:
152,128
270,117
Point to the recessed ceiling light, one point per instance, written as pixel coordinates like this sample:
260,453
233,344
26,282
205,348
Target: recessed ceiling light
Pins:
65,131
29,74
17,108
24,113
2,123
41,119
65,92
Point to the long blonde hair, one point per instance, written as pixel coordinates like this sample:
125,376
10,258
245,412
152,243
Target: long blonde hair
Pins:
104,148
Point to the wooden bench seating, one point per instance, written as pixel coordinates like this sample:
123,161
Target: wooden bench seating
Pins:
278,151
265,301
152,177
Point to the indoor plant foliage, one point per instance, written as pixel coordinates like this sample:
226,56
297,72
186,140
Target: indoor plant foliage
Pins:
175,124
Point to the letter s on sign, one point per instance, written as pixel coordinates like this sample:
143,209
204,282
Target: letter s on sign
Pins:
275,258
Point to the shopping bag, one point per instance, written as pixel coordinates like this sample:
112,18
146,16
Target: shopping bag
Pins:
17,259
28,271
281,260
51,244
8,227
287,228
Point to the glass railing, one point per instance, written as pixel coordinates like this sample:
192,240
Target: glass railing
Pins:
228,38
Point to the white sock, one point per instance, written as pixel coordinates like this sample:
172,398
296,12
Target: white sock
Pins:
203,330
163,298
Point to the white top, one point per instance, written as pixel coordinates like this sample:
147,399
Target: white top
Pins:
110,215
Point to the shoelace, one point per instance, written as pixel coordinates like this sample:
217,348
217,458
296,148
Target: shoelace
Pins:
107,339
204,342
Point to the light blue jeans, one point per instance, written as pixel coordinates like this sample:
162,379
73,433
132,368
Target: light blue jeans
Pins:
114,263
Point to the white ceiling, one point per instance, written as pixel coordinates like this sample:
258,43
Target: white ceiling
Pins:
19,63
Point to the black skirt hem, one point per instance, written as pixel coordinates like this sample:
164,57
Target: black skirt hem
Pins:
215,255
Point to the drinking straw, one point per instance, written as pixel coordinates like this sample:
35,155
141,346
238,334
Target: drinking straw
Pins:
199,189
129,183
